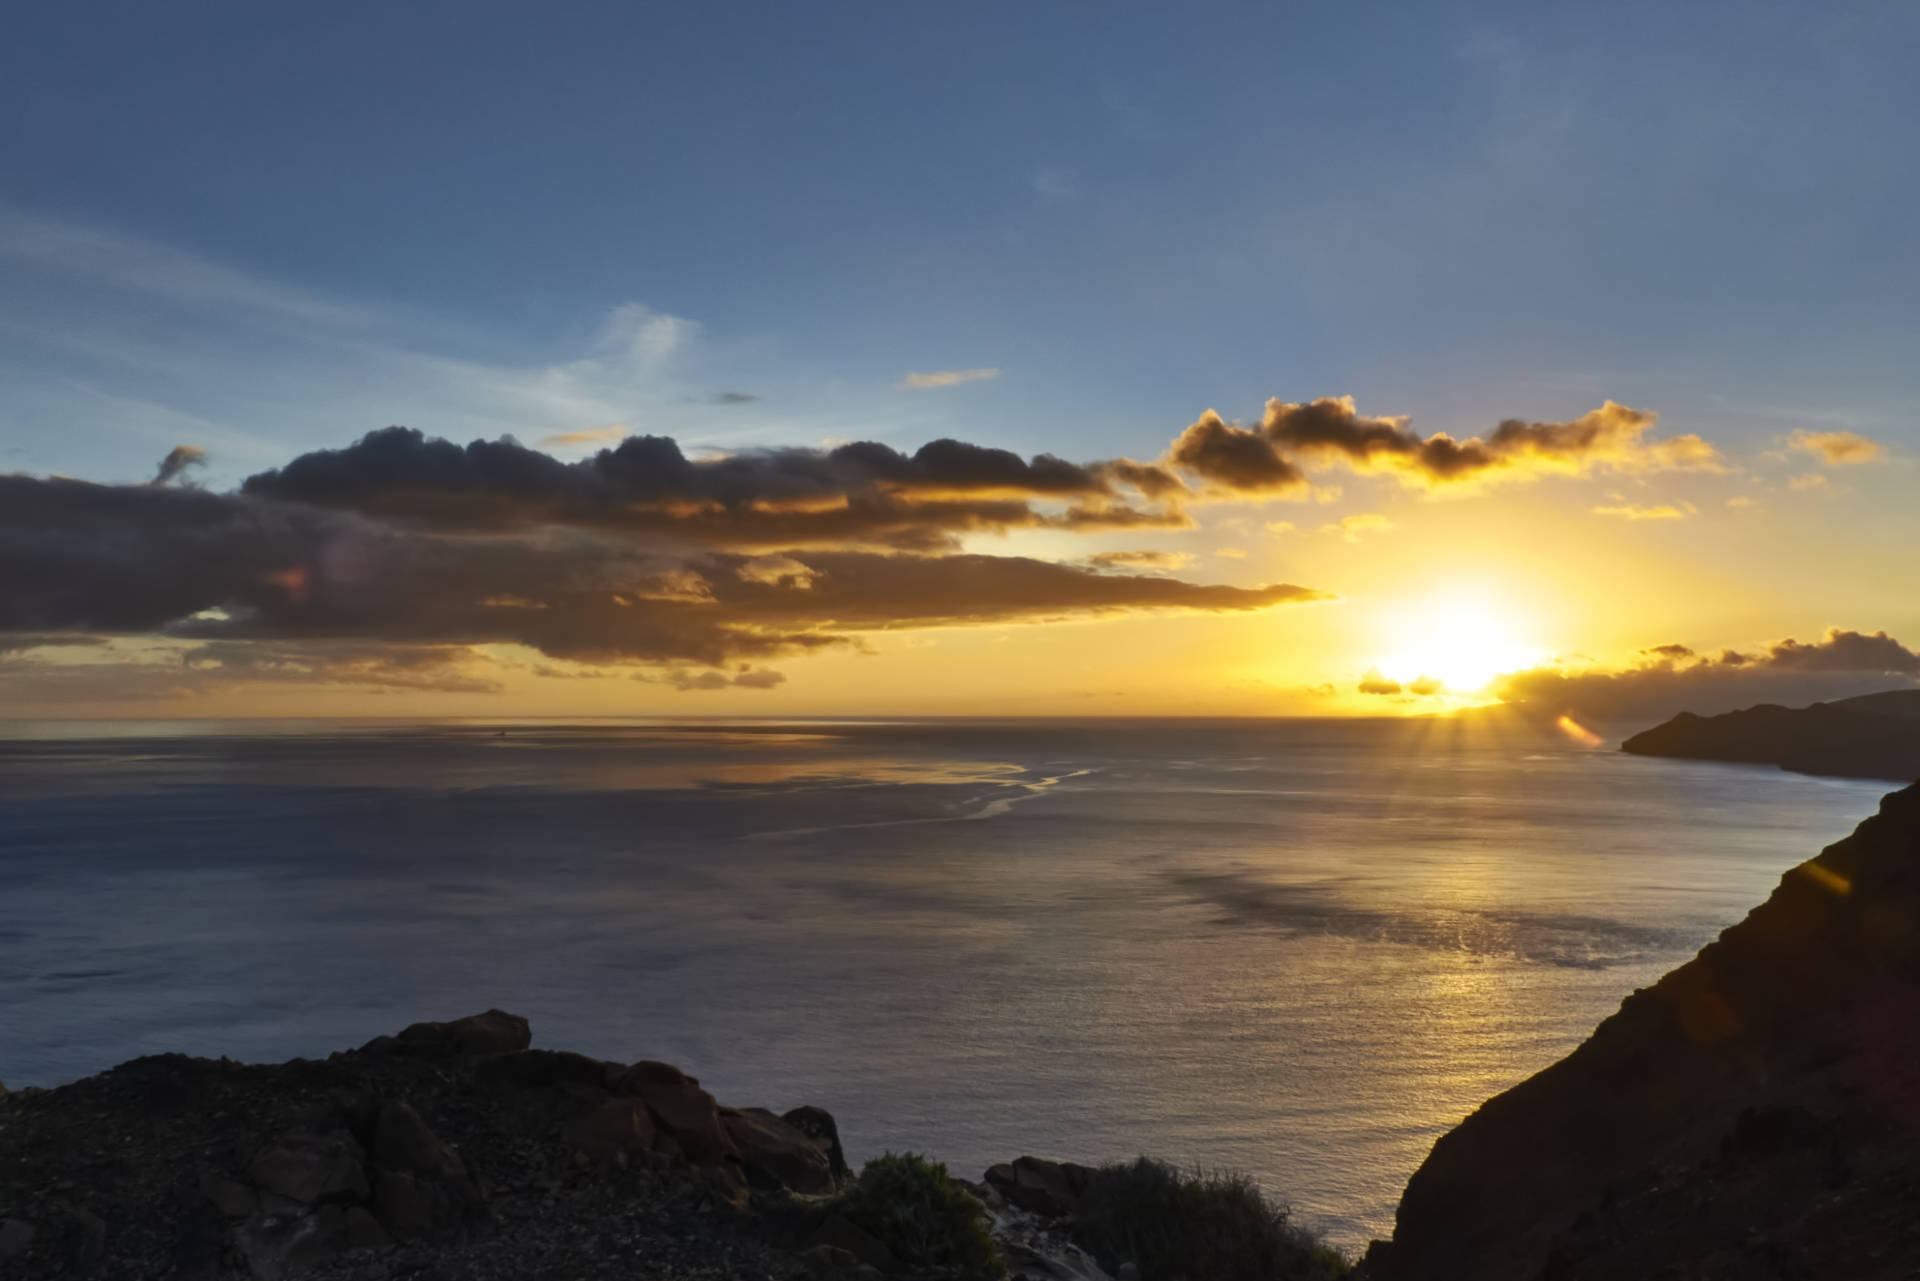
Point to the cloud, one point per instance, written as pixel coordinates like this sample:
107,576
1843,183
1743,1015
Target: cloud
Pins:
1664,511
185,565
1376,683
1277,527
745,678
131,264
1812,480
1150,560
1841,447
1328,431
732,398
1741,500
1425,686
178,459
1234,459
863,493
1231,553
947,378
1358,526
586,436
1672,678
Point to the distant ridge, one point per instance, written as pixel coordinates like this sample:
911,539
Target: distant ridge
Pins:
1872,736
1893,702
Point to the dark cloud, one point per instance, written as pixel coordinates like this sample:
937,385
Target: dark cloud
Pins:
1376,683
238,570
1673,679
1232,458
863,493
178,459
1331,430
713,679
732,398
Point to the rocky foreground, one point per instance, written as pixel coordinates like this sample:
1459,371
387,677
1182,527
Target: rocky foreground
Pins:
455,1152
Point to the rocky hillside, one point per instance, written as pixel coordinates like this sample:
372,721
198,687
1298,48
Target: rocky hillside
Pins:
1755,1114
1873,737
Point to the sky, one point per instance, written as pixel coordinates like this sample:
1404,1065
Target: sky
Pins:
1195,289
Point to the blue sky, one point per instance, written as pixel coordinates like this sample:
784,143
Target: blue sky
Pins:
265,229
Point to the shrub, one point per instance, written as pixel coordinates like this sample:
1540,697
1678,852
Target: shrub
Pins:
923,1215
1197,1226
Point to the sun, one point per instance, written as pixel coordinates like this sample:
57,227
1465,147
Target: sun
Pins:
1462,638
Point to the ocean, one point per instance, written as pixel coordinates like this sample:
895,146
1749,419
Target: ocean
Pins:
1303,949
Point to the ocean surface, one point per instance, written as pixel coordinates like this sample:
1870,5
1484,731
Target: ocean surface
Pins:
1303,949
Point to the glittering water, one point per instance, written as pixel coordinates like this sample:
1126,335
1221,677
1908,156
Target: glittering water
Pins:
1299,948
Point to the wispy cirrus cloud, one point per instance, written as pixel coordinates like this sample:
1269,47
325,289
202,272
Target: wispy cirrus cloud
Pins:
946,378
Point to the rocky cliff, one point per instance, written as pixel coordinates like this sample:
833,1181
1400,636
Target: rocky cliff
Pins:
1755,1114
1860,738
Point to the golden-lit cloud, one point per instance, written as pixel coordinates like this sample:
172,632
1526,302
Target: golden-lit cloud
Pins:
1811,480
947,378
1841,447
1661,511
178,459
586,436
1149,560
1359,525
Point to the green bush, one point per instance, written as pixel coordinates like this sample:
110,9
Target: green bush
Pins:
1197,1226
923,1215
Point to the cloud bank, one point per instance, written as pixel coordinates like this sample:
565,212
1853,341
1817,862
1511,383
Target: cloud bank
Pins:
1672,678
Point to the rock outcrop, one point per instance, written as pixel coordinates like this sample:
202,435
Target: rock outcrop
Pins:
1755,1114
1872,737
448,1141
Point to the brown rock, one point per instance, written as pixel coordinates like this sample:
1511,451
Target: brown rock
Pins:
1050,1188
617,1131
421,1187
685,1111
311,1169
494,1032
818,1124
777,1155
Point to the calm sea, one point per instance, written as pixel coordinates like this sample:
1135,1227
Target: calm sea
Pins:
1299,948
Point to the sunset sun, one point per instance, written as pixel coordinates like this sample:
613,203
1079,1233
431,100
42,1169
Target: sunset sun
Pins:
1461,639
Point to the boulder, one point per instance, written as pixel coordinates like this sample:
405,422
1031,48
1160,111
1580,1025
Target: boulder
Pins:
494,1032
311,1169
547,1069
1040,1186
421,1188
687,1113
818,1125
616,1131
776,1154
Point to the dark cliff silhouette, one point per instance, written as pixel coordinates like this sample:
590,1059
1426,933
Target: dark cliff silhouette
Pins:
1873,736
1755,1114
